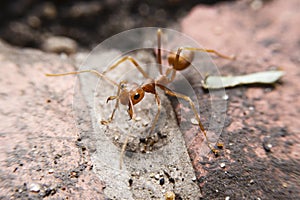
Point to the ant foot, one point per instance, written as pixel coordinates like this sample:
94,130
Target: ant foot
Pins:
232,57
216,152
220,145
110,98
105,122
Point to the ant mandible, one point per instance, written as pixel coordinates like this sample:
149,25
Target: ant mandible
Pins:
131,93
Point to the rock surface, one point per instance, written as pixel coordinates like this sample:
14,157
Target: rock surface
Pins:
261,139
40,157
40,145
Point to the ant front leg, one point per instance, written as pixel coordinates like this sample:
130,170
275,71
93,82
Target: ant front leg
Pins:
188,99
132,60
87,71
117,98
150,87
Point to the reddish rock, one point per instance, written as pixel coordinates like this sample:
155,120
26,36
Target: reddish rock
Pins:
261,142
39,155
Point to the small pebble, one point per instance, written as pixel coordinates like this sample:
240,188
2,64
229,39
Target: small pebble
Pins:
267,146
85,9
172,180
59,44
285,185
34,187
225,97
145,123
130,181
116,137
227,198
49,11
256,4
157,176
136,173
194,121
50,171
194,179
63,56
149,186
34,21
152,175
161,181
138,119
222,165
169,195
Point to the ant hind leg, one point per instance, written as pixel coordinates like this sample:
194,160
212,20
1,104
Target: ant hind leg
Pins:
232,57
188,99
159,60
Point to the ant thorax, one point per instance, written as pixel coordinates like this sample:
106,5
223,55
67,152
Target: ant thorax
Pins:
162,80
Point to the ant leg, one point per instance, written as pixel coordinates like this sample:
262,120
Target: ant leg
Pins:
105,122
123,151
157,114
188,99
180,49
87,71
131,114
182,62
132,60
173,75
131,110
152,126
159,50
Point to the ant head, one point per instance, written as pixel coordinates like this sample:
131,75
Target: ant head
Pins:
131,92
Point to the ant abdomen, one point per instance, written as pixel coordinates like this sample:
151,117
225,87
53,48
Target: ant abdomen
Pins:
184,60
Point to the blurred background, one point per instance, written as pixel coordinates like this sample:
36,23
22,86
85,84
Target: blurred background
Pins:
27,23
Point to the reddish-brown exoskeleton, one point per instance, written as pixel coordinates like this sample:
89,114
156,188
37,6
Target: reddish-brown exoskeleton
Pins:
132,93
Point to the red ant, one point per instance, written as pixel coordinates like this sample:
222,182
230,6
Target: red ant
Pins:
132,93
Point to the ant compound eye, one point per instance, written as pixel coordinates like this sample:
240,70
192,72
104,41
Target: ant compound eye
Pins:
136,96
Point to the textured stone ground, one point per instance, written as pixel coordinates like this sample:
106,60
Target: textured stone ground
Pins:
258,116
41,155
